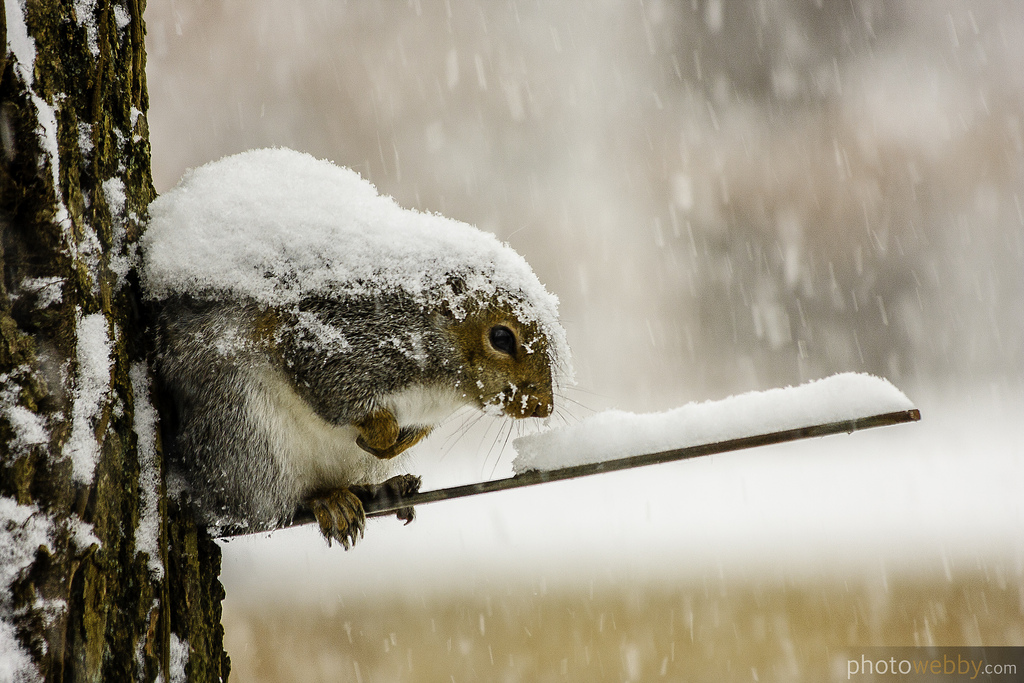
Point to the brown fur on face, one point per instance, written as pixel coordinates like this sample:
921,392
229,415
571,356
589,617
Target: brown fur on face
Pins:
520,382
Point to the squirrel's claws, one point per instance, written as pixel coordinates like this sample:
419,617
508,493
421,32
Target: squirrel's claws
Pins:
392,490
340,515
401,486
406,515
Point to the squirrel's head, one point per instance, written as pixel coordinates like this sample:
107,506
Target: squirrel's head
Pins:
507,362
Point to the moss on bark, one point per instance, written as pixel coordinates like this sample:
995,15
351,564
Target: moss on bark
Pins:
88,608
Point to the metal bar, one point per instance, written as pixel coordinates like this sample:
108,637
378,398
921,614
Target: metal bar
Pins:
384,506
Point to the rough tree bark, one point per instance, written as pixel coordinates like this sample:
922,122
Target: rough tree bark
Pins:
102,578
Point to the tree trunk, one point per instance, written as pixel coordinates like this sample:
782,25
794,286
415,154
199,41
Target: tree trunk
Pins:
101,577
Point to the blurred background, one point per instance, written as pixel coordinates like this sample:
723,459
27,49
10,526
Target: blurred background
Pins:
725,196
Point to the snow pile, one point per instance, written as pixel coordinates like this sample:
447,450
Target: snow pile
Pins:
28,428
275,226
147,533
179,659
22,530
616,434
92,387
47,290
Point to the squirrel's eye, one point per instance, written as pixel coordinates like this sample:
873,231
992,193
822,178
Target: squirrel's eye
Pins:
503,339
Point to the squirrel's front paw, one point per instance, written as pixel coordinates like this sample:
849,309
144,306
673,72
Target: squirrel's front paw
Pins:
378,432
380,435
390,491
405,485
341,516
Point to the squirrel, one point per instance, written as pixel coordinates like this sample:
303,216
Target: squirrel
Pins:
285,406
310,331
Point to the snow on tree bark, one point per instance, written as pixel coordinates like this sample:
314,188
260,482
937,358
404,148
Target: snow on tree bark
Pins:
82,501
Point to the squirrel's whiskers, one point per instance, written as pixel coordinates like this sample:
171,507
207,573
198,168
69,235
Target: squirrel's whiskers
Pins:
469,419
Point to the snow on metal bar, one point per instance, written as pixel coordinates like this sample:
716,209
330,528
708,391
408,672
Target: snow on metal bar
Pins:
382,506
614,440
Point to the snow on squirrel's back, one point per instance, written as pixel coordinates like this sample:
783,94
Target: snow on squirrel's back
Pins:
614,434
276,226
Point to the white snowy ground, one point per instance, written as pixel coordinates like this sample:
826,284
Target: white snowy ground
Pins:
933,497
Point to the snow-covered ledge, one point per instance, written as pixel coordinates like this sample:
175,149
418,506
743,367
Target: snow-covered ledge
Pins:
615,434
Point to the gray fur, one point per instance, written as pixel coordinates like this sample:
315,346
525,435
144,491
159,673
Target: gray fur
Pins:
392,343
230,369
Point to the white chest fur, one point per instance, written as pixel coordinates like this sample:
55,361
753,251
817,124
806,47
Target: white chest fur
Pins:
422,405
316,454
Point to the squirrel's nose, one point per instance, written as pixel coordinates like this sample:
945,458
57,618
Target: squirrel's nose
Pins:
541,409
538,406
530,404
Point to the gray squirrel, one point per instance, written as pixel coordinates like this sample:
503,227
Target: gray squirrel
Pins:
269,417
309,331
